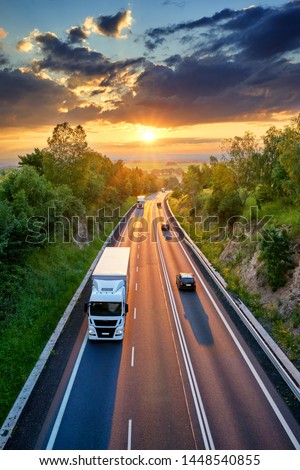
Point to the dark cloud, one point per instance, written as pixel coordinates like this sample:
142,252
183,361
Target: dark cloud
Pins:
76,35
80,61
83,114
254,33
60,56
156,36
3,58
199,91
276,32
27,100
112,26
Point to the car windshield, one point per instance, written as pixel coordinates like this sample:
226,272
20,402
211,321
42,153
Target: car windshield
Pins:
106,309
188,280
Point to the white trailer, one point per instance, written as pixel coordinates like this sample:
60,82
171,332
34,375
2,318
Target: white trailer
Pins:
107,305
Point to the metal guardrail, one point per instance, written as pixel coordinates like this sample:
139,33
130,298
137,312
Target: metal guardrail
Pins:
280,361
21,400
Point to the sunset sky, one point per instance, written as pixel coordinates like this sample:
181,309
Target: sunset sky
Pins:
168,78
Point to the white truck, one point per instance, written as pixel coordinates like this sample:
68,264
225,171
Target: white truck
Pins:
107,305
140,202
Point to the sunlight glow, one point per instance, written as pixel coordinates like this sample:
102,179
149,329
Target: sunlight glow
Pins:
148,136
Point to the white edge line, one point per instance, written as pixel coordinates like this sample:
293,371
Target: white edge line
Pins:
132,356
247,360
66,397
129,434
200,411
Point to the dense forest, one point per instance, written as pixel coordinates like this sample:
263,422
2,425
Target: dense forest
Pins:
243,210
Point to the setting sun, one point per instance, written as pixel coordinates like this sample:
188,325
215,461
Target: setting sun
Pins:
148,136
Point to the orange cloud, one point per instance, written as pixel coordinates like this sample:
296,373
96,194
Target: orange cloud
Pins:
3,33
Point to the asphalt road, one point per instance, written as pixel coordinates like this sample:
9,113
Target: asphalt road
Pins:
183,378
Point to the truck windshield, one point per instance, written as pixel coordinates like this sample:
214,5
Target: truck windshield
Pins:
106,309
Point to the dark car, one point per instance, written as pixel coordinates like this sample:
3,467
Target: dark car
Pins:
185,281
165,227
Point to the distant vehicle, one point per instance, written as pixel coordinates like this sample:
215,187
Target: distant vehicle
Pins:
186,281
159,204
163,190
165,227
140,202
107,305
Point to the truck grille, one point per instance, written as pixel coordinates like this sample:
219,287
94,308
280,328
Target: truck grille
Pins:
105,332
105,322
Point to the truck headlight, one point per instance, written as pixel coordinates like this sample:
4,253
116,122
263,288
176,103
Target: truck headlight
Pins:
119,331
92,331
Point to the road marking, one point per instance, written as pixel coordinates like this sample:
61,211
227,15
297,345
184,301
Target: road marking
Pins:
137,269
66,397
200,411
137,256
262,386
177,352
123,231
136,286
132,356
129,434
134,313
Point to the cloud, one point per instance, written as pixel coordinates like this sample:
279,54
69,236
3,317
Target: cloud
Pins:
237,67
112,26
3,33
272,33
77,34
3,59
254,33
82,66
156,36
27,100
26,44
193,93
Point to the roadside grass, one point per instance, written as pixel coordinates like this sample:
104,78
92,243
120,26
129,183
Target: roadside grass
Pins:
283,215
51,277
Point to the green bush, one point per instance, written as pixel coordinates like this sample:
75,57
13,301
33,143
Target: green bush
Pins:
276,252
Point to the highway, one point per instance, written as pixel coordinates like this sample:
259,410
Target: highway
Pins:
183,377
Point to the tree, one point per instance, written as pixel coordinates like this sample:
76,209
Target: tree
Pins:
290,157
34,159
195,179
67,144
276,252
65,162
242,158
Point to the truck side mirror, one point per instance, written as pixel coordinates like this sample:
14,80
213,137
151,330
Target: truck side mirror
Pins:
126,308
86,307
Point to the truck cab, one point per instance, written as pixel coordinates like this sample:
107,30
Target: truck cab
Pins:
107,306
